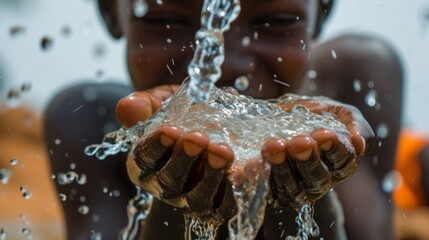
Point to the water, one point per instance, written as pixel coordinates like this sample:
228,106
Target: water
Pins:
204,69
198,105
5,175
259,120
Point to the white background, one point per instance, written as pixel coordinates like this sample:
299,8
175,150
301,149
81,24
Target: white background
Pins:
72,58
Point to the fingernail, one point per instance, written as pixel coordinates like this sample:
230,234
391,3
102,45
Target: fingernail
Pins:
305,155
191,149
277,158
326,146
166,141
215,161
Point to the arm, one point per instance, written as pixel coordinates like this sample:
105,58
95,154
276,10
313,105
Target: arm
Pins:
77,117
377,67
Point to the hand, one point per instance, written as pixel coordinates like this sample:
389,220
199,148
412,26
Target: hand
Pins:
307,167
181,168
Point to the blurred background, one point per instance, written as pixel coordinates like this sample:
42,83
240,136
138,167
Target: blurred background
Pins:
47,45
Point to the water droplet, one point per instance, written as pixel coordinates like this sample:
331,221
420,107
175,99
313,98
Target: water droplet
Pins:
13,97
159,2
391,181
334,54
3,234
245,42
46,43
116,193
26,232
25,87
312,74
66,31
139,8
382,130
255,35
5,175
83,209
16,30
166,224
241,83
62,197
57,141
357,85
300,110
371,84
371,98
95,218
72,166
13,162
82,199
96,236
22,189
169,40
27,195
81,180
105,189
279,59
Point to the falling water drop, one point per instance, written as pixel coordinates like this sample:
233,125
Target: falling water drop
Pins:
96,236
13,97
334,54
241,83
46,43
312,74
139,8
16,30
357,85
26,232
371,98
83,209
391,181
382,130
5,175
3,234
13,162
245,42
62,197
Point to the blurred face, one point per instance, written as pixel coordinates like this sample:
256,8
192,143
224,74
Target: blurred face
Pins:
268,44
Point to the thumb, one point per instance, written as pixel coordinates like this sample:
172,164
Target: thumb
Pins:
141,105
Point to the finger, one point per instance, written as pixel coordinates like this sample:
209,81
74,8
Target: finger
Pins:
173,176
151,152
285,188
341,160
202,196
228,208
141,105
316,179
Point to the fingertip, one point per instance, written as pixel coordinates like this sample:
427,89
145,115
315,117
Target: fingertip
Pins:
219,155
274,151
325,138
359,143
133,108
301,147
194,143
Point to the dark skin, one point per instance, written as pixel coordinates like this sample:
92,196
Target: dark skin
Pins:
147,68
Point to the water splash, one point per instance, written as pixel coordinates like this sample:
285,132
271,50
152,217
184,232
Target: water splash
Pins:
200,229
218,117
138,208
204,69
307,226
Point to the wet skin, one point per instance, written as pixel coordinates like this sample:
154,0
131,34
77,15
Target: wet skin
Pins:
148,54
278,30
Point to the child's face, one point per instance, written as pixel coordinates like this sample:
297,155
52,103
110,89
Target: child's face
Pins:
160,44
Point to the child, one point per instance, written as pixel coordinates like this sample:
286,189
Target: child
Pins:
158,52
